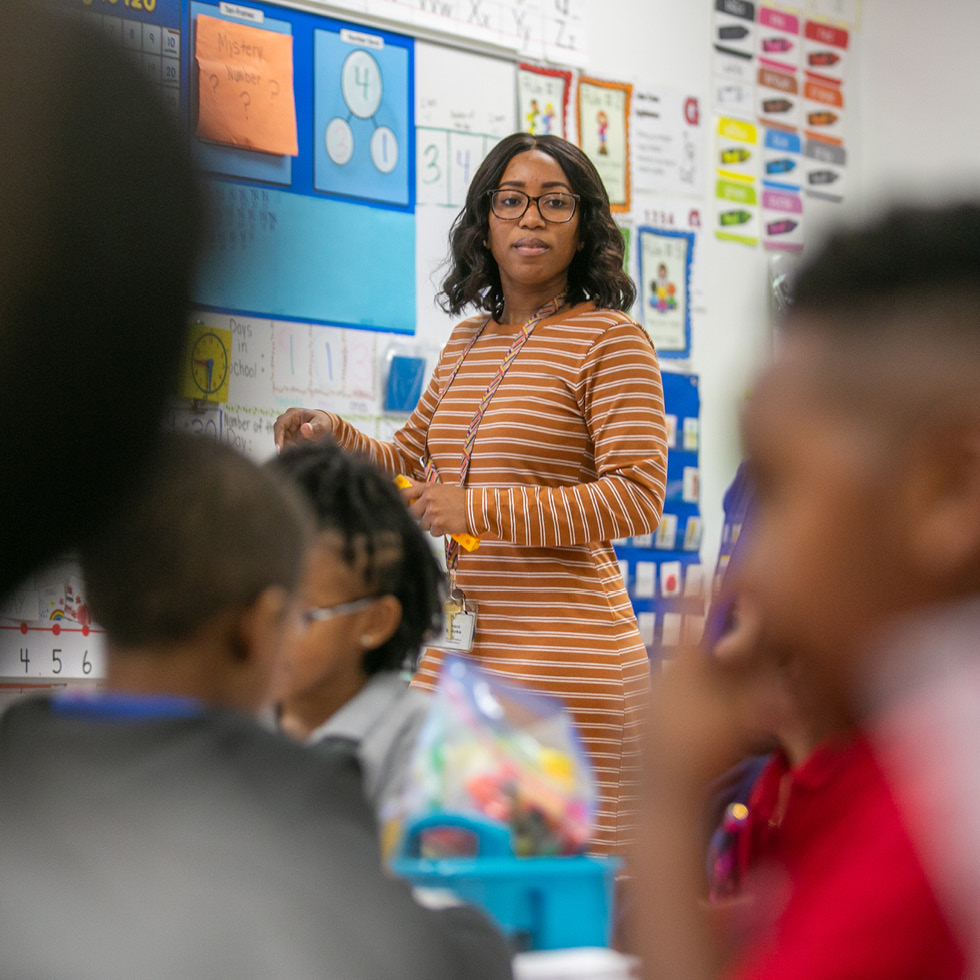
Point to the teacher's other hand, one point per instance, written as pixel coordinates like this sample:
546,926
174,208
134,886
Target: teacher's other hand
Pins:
301,423
440,508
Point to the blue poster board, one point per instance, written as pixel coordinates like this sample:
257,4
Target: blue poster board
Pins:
327,236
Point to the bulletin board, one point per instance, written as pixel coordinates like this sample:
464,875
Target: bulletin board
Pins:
323,231
326,255
662,571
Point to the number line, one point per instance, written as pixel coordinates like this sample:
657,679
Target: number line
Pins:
50,629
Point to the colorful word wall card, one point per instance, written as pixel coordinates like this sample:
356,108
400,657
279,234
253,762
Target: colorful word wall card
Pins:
824,58
782,219
736,190
779,71
542,100
734,39
604,134
668,141
665,288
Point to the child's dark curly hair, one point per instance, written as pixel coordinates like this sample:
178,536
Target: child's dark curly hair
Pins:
380,541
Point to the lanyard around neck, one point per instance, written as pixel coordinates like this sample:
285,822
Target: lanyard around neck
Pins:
431,474
519,341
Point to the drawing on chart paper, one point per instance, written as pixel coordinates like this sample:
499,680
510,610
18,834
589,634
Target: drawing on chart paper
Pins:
603,126
542,96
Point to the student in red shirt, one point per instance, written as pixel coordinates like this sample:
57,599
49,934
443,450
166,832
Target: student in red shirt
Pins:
864,441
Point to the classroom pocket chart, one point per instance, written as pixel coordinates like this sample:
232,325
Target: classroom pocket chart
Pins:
662,571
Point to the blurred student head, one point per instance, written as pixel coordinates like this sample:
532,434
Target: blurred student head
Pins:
102,220
193,577
371,568
864,439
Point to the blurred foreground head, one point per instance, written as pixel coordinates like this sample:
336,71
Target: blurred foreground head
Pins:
864,439
102,221
199,566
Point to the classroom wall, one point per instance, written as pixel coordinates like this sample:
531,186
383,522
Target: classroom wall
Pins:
274,364
919,94
913,132
912,86
656,42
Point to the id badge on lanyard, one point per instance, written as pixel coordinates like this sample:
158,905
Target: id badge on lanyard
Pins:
458,624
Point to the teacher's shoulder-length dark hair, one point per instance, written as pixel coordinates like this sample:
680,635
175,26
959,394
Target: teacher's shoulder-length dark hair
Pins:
596,272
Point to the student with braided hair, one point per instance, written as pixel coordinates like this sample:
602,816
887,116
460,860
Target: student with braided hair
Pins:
374,593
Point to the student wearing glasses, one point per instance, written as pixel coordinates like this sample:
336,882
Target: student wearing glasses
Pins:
372,595
542,434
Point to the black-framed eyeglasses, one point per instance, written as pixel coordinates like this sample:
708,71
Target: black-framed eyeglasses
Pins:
318,614
555,206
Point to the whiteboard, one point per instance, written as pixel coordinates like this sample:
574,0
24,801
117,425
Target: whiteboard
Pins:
552,30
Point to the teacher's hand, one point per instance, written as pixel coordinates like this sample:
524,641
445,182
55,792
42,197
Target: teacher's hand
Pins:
440,508
301,423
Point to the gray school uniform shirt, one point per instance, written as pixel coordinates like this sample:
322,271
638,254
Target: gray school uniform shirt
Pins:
381,724
201,845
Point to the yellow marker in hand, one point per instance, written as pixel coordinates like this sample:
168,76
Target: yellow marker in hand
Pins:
467,542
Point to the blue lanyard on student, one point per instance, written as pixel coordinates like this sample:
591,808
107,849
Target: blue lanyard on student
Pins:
119,706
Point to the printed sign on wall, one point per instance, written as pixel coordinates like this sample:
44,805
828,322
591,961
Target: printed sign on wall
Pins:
603,134
542,100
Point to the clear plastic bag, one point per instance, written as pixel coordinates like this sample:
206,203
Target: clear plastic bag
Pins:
505,753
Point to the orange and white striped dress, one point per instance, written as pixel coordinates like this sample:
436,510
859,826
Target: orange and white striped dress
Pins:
571,454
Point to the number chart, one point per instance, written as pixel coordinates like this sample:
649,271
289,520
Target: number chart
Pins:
47,638
150,30
30,653
447,161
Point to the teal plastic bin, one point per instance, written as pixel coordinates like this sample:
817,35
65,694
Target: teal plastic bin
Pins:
538,902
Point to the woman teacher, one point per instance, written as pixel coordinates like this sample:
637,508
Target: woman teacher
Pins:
542,433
